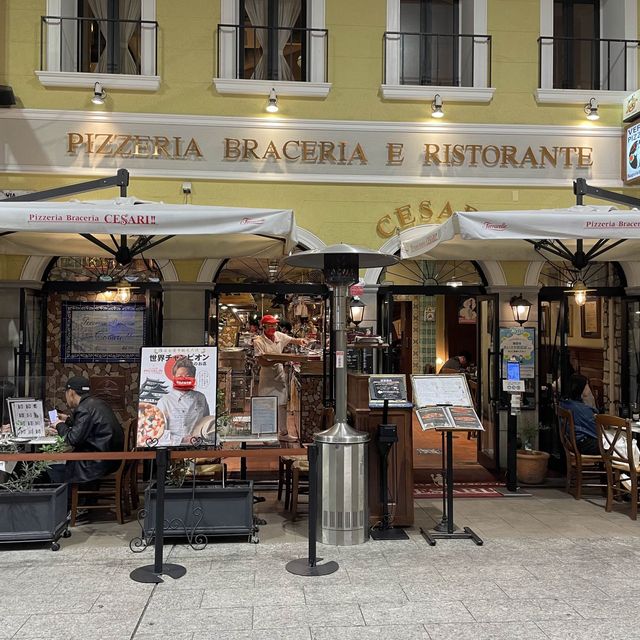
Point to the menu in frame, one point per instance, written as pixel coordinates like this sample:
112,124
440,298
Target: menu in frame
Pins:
264,414
27,417
446,390
390,387
443,402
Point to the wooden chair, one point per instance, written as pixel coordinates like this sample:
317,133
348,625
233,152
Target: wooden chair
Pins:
621,459
300,471
113,488
584,466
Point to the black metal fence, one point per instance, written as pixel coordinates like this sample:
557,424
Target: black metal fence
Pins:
273,53
438,59
96,45
587,63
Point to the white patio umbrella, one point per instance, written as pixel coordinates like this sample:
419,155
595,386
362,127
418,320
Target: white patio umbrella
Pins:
499,235
155,230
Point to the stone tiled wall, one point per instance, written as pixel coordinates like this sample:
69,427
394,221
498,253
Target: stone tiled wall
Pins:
57,372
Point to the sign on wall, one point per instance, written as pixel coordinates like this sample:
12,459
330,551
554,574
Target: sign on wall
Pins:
177,400
102,332
232,148
519,343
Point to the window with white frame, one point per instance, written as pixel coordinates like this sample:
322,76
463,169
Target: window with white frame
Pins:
436,43
272,43
587,46
112,41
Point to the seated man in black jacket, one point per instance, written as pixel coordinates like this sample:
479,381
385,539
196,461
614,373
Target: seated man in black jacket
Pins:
91,427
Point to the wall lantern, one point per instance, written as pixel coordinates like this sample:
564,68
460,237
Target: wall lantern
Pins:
520,308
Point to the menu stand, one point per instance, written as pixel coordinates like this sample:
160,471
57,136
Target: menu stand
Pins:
450,533
152,573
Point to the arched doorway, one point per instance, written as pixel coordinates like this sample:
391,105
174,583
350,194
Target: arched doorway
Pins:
581,329
244,290
90,317
429,311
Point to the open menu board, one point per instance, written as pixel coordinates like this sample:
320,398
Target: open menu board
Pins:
444,402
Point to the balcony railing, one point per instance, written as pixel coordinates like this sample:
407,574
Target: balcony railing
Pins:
98,45
273,53
438,59
599,64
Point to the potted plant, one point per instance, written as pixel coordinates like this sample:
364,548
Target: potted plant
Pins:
30,511
531,463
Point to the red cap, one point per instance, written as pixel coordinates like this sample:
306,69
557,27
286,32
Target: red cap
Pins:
269,320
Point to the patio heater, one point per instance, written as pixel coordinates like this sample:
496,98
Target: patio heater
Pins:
343,517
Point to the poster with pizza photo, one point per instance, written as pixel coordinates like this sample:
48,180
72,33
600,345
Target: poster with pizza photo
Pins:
177,398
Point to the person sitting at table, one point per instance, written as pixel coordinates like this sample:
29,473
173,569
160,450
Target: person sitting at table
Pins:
459,362
92,426
584,416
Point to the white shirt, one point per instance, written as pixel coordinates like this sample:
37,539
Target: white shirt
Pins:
183,410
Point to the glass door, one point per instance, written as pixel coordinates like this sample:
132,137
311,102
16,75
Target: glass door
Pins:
488,379
29,355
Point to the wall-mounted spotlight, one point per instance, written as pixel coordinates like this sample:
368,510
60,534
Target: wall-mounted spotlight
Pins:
99,94
436,107
591,109
272,105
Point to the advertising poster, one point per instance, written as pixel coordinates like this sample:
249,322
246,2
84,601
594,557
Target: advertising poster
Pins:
177,400
630,160
519,344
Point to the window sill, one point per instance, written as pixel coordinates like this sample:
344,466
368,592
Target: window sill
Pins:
579,96
229,86
88,80
426,93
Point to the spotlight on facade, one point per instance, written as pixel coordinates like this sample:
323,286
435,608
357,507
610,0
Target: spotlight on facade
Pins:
99,94
591,109
272,105
436,107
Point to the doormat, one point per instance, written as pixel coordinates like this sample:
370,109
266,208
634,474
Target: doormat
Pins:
460,490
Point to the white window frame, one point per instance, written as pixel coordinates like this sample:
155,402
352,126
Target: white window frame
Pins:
547,94
227,83
52,76
393,90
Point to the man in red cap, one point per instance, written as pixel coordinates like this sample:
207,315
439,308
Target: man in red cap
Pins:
273,381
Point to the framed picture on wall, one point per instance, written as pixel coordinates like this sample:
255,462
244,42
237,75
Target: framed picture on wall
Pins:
467,313
591,318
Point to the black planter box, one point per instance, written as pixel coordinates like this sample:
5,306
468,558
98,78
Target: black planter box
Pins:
40,515
210,510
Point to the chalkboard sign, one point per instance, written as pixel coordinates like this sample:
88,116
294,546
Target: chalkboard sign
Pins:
387,387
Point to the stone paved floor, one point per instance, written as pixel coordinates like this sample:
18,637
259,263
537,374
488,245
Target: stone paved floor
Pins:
551,567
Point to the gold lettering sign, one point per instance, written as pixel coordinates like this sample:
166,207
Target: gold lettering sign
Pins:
132,146
404,217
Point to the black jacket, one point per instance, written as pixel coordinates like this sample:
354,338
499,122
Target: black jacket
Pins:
92,427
